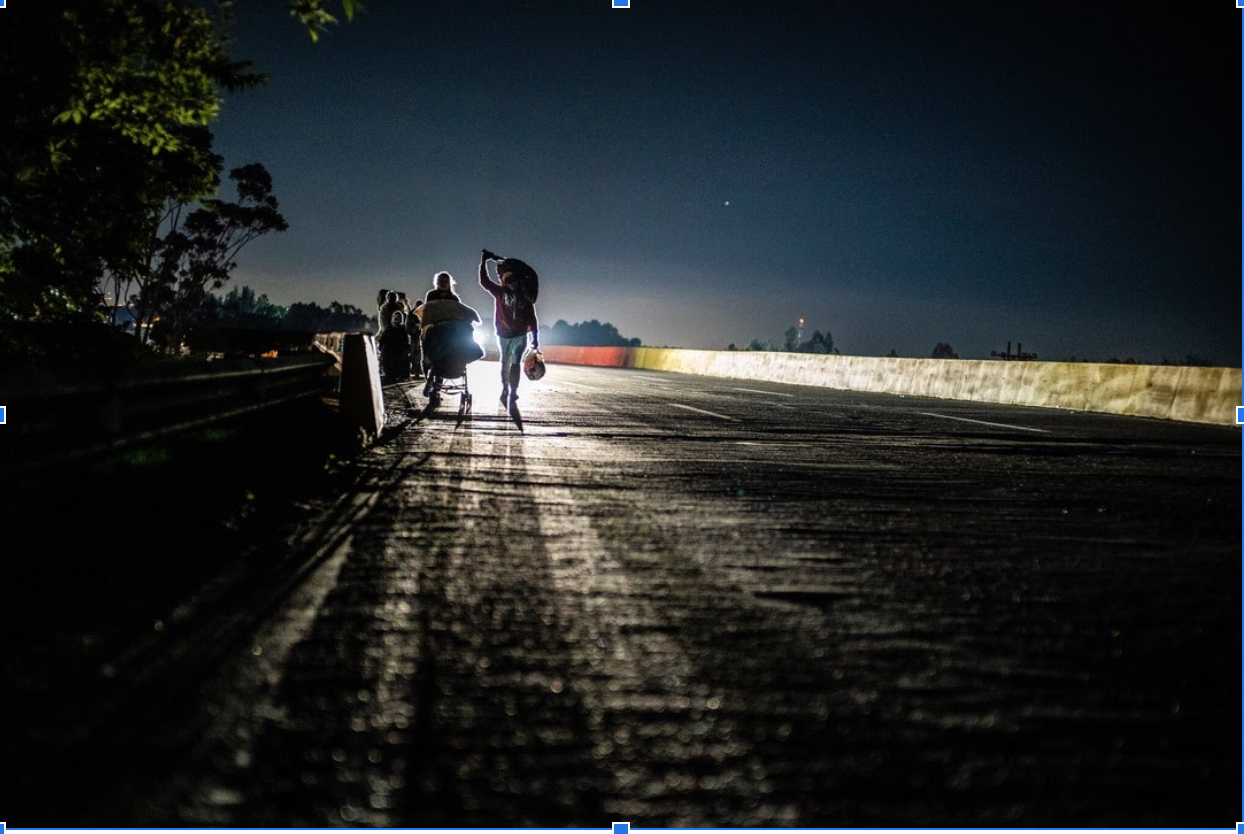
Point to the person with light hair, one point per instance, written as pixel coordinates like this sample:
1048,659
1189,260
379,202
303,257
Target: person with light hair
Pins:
442,289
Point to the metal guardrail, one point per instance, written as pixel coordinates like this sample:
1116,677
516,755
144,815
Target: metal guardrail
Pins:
52,419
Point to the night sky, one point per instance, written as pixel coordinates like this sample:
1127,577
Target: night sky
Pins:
1061,174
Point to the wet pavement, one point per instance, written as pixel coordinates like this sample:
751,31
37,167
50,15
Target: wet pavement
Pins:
690,602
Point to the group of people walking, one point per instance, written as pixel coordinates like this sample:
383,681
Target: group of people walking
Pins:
401,355
408,348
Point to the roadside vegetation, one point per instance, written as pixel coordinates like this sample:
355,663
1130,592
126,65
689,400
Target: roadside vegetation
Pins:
109,184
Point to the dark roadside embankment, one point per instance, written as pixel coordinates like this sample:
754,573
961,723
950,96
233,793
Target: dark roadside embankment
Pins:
103,552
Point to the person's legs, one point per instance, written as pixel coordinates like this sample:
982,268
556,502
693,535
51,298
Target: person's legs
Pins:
512,349
516,373
502,343
416,355
433,356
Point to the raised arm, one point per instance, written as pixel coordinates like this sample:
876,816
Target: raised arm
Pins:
485,281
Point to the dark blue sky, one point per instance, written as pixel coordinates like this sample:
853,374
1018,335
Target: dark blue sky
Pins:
1062,174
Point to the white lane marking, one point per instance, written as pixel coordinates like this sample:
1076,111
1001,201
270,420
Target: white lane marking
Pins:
702,411
982,422
766,393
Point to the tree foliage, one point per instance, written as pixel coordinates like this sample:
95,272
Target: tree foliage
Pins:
335,318
588,334
241,308
818,343
104,110
199,248
103,106
943,350
314,14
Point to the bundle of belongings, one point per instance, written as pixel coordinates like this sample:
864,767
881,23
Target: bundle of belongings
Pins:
449,345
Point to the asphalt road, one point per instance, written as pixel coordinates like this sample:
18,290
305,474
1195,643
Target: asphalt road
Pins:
682,601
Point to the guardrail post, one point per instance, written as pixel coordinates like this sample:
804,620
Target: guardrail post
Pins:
362,399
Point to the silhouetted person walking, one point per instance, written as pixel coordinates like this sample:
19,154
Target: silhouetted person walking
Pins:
514,316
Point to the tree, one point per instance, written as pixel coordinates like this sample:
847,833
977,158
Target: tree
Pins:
1192,360
589,334
104,108
240,307
313,14
942,350
198,252
338,318
819,343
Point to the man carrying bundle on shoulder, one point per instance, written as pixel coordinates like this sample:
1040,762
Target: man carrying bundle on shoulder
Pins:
514,304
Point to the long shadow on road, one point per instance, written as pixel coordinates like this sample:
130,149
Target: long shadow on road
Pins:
431,689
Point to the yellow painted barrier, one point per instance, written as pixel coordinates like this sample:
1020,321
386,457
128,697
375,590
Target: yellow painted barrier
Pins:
1168,392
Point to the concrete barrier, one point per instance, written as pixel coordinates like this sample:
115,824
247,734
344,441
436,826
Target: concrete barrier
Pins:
362,398
1168,392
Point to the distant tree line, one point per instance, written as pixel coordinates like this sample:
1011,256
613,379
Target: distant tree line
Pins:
1192,360
824,343
819,342
241,308
585,334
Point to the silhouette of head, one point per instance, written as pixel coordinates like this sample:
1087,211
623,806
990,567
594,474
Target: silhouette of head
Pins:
506,269
512,269
443,281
